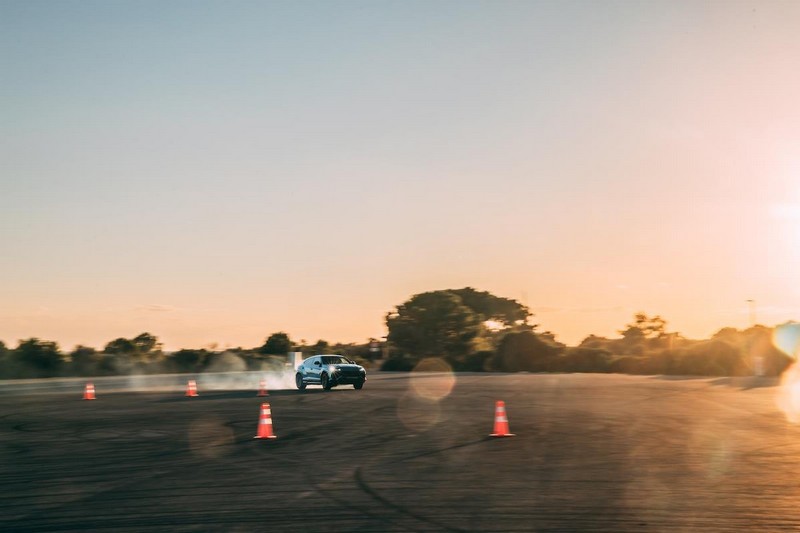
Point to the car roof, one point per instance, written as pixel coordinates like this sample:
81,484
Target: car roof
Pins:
324,355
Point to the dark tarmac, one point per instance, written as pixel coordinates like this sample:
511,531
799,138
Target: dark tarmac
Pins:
407,453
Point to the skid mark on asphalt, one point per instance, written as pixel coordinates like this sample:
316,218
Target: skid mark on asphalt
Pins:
341,487
632,441
330,488
338,487
403,510
364,486
384,514
445,449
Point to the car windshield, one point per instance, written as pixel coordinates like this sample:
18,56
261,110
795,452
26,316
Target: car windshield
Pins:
334,360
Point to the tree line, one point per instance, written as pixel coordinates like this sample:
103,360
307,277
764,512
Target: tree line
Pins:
471,330
144,354
477,331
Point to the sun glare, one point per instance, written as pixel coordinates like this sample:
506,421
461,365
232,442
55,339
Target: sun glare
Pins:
493,325
788,395
786,338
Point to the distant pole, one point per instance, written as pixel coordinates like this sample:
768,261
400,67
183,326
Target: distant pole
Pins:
752,304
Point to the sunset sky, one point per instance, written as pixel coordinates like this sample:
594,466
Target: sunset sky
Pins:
213,172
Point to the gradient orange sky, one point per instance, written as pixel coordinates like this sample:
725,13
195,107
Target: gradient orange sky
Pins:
213,172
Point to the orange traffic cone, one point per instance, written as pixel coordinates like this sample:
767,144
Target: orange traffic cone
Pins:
265,423
88,392
191,388
500,420
262,388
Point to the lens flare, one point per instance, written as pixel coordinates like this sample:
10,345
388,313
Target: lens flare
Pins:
432,379
786,338
788,395
430,382
713,450
418,414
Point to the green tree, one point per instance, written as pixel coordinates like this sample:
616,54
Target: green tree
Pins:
129,354
188,360
358,352
582,359
727,334
38,359
277,344
643,334
320,347
490,307
645,327
86,361
144,343
433,324
120,346
594,341
6,365
524,350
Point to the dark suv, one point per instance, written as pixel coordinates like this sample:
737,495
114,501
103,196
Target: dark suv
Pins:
329,371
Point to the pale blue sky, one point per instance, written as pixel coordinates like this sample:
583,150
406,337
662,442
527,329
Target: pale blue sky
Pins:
217,171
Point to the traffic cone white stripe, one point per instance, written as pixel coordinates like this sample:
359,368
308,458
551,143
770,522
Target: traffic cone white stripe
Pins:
88,392
265,423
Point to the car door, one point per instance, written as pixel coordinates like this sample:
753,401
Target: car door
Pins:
314,370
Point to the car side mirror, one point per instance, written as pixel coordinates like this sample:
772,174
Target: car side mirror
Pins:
317,363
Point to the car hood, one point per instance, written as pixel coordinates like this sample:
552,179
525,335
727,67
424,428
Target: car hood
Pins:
348,367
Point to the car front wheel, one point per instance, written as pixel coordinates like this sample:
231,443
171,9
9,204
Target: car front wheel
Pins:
325,382
298,379
358,384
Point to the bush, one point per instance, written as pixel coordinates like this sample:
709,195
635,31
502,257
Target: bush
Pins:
584,360
86,361
524,351
713,358
627,364
35,358
187,361
474,362
660,362
398,364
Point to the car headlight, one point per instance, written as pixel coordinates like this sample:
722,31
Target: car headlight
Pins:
332,369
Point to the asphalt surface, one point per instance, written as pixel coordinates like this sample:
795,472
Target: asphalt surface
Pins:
406,453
